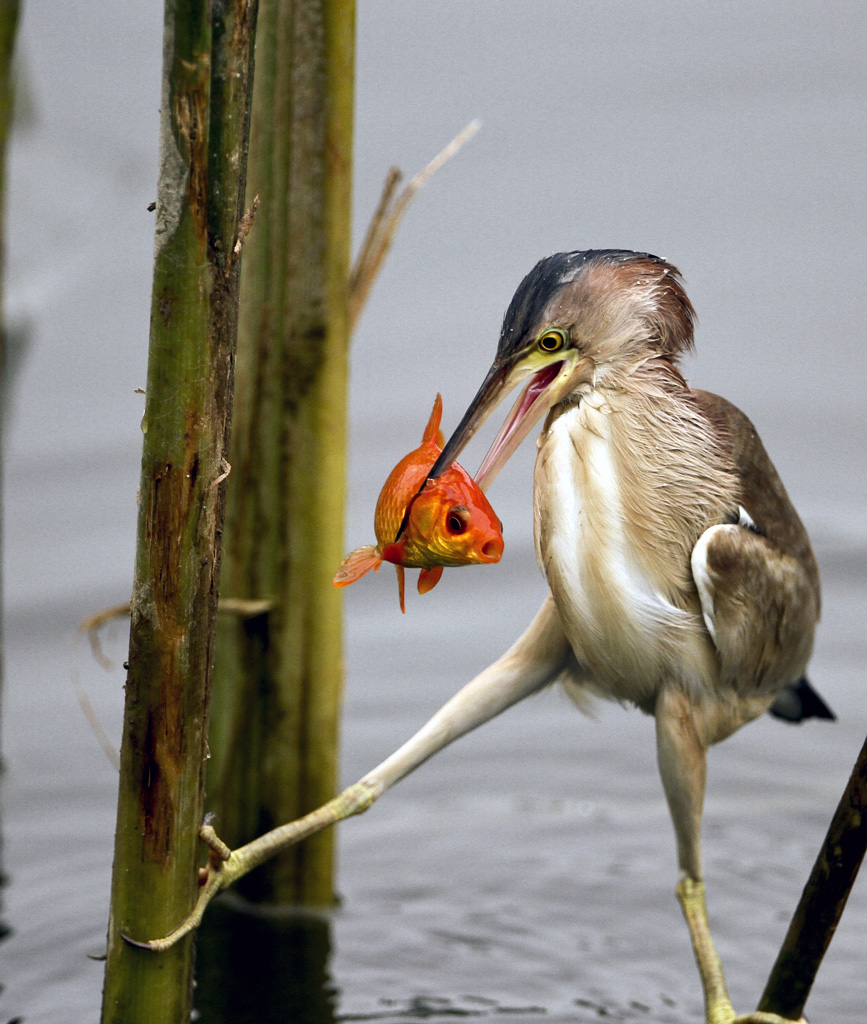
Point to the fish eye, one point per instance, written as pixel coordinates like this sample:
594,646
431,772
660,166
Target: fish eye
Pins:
457,520
552,341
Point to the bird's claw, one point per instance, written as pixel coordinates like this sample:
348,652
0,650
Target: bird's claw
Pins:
217,849
760,1017
218,874
226,866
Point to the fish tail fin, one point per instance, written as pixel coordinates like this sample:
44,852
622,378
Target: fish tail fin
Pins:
356,564
401,587
428,579
432,431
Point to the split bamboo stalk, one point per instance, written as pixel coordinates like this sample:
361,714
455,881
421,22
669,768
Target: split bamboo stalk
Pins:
279,674
203,143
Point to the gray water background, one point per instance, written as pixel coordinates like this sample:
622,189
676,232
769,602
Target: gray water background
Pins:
529,870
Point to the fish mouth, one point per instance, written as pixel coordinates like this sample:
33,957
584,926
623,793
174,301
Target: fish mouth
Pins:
491,551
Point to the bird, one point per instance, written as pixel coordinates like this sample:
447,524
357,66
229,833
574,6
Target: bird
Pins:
681,580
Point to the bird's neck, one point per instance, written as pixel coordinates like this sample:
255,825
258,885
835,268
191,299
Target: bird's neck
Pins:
650,457
627,479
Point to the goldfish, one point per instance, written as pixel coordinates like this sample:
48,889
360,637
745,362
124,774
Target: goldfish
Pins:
449,522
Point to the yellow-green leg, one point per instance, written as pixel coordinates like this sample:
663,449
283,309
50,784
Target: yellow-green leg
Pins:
718,1007
682,766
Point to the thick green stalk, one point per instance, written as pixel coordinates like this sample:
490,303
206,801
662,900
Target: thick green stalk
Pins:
206,72
278,678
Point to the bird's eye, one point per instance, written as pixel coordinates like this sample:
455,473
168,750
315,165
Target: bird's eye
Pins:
457,520
552,341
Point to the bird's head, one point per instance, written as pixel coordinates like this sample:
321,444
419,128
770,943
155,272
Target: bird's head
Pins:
577,320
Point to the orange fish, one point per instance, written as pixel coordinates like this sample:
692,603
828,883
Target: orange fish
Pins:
449,523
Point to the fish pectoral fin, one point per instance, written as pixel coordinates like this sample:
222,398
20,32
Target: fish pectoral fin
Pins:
428,579
432,431
356,564
401,587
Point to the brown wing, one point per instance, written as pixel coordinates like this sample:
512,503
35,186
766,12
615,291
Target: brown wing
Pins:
757,578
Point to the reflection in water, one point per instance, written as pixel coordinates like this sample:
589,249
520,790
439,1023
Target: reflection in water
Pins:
430,1007
5,930
263,967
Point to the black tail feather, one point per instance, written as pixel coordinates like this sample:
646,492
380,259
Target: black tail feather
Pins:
798,701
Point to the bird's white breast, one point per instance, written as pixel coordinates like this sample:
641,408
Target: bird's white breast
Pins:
627,635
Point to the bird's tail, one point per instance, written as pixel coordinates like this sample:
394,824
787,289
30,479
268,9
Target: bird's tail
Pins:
798,701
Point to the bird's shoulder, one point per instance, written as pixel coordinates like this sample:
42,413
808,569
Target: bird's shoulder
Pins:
763,494
756,577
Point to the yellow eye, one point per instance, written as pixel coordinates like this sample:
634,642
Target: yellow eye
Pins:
552,341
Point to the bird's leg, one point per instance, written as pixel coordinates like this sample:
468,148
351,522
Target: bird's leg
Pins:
682,765
533,661
681,752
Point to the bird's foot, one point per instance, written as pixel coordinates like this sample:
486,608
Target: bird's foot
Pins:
759,1017
218,874
722,1013
226,866
719,1009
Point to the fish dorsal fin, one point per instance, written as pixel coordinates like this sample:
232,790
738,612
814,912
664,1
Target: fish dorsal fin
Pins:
356,564
432,431
428,578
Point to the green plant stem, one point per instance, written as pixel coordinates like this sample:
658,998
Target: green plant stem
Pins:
206,74
278,677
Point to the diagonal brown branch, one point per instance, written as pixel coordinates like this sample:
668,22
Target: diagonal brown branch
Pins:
386,220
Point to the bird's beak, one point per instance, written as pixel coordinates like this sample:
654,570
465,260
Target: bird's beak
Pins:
495,387
546,386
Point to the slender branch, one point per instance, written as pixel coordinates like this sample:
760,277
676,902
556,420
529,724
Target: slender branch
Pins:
91,626
89,712
386,220
244,225
822,902
359,279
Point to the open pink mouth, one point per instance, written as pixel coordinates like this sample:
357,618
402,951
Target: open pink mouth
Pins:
517,425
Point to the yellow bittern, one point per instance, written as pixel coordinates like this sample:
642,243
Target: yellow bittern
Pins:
681,579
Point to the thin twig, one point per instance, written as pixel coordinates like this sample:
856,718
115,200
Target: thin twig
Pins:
93,623
89,712
226,468
359,277
385,221
244,609
90,627
244,226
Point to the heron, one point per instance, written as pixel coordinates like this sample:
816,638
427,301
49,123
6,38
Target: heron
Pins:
681,580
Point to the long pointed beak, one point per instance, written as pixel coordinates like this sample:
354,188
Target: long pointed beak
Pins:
533,402
544,388
494,389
